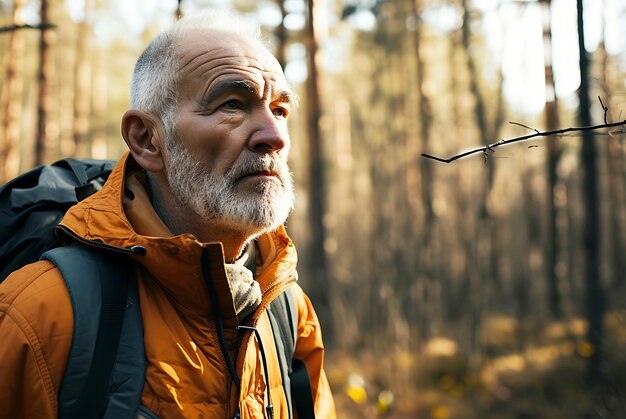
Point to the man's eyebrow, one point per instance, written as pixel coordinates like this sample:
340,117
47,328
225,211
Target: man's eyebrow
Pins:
217,90
287,96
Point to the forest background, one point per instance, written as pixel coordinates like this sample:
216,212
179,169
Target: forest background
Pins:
489,287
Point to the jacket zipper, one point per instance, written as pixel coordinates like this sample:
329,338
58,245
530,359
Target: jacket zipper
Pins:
206,274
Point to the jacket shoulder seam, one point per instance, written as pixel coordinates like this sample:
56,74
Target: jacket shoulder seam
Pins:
28,275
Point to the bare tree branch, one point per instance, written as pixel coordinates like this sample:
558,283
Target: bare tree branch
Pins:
525,126
490,147
41,26
604,109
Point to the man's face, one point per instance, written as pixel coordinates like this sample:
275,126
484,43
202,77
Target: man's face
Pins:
227,158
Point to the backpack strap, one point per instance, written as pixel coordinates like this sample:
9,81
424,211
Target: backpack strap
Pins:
301,390
102,377
296,383
85,171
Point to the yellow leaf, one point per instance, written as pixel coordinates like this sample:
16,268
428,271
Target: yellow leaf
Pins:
357,394
385,400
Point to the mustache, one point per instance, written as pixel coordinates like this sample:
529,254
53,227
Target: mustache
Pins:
263,165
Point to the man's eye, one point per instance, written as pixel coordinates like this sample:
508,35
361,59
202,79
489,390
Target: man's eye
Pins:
232,105
280,112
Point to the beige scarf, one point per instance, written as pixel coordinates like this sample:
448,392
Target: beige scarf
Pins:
246,291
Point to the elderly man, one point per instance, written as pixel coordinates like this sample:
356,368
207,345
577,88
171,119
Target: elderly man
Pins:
205,190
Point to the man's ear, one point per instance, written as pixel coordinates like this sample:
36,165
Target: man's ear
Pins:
145,137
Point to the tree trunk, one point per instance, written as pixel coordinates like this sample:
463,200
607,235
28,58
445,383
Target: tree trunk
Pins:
99,106
617,197
13,85
521,247
425,245
591,229
281,36
43,139
82,84
320,291
553,157
425,121
481,243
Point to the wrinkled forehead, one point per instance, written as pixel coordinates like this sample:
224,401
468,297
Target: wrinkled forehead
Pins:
199,47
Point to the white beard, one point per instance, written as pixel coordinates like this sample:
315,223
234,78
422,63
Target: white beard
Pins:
260,208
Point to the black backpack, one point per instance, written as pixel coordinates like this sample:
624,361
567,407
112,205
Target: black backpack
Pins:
31,205
105,373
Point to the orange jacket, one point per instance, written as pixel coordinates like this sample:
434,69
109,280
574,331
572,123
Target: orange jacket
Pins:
186,374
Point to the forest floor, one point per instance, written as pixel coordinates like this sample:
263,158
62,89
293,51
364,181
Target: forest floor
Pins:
546,378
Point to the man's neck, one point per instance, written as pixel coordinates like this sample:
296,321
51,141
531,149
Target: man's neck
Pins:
183,220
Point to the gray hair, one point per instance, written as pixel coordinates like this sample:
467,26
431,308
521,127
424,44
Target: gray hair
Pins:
154,85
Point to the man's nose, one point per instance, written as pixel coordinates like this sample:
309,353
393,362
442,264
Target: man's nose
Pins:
270,133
